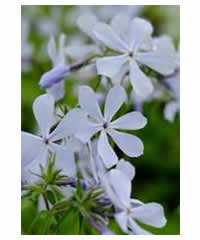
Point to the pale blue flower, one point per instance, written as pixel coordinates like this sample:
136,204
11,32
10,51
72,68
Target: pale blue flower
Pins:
117,183
36,149
26,47
173,106
172,83
96,122
132,38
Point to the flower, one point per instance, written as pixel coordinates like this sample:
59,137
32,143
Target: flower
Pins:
128,210
173,106
91,164
53,79
96,122
26,47
172,83
132,38
138,101
36,149
81,50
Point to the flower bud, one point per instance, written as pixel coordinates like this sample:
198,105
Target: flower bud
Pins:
56,75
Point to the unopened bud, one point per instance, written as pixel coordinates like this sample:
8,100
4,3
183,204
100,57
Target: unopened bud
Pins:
56,75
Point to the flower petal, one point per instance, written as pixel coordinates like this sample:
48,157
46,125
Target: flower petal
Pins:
55,75
86,130
136,203
57,91
88,102
136,229
87,23
120,24
163,59
142,85
151,214
118,188
122,220
129,144
64,159
69,125
105,151
106,34
31,146
173,84
111,66
120,77
77,52
43,108
52,51
30,170
61,48
170,110
114,100
126,168
140,31
130,121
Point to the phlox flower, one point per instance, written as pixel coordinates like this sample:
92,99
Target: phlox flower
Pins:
107,12
26,47
97,122
82,50
173,106
36,149
91,164
138,101
53,79
133,40
117,183
172,83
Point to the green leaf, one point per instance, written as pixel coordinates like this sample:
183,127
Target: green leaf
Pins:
51,197
113,226
42,223
87,229
70,223
28,213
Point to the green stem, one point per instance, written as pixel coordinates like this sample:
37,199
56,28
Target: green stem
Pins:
46,201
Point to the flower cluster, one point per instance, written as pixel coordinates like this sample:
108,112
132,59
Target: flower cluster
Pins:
86,141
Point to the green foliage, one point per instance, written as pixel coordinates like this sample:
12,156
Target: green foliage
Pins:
28,213
63,215
70,223
42,223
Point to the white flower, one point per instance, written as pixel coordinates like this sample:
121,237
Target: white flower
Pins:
117,183
35,149
53,80
133,40
96,122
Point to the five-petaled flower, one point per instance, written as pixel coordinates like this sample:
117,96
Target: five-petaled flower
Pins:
36,149
96,122
117,183
132,38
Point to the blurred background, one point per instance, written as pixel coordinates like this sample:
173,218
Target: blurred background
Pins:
158,170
